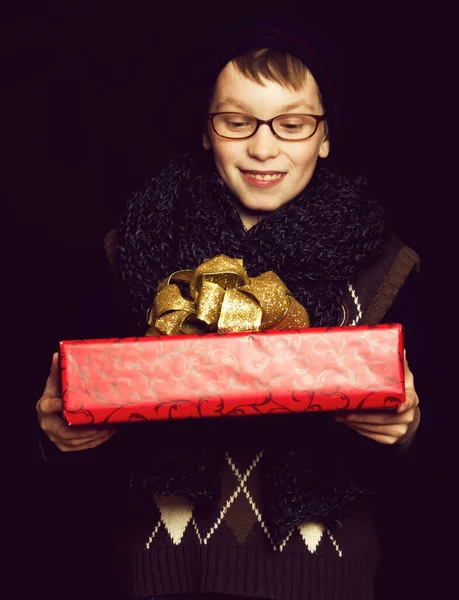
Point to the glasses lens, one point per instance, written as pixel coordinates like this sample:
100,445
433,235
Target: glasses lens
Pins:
294,127
234,125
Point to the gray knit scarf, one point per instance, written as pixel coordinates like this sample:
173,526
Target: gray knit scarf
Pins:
316,243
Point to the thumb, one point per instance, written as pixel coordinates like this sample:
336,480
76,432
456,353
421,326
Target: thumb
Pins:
53,382
49,405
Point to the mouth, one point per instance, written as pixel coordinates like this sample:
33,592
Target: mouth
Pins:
262,178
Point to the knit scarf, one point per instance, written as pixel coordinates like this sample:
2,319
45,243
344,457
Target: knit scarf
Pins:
316,244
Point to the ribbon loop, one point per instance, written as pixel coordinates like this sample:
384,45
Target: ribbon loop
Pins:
223,299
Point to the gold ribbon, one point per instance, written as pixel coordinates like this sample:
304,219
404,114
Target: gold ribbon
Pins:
223,298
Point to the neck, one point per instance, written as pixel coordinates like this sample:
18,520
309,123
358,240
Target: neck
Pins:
250,218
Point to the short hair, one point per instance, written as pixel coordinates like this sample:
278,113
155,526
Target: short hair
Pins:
273,64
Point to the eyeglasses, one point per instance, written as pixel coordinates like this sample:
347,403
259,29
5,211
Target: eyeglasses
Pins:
291,127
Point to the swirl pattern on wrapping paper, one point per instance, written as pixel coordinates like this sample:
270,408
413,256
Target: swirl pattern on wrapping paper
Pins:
215,375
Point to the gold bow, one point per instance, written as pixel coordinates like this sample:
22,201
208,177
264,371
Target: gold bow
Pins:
223,298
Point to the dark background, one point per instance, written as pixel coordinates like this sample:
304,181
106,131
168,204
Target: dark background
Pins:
84,84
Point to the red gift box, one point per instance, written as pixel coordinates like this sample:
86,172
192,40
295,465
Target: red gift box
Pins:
215,375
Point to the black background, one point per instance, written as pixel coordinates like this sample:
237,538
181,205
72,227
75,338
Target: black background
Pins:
83,85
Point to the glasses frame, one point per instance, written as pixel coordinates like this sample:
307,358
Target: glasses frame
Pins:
319,119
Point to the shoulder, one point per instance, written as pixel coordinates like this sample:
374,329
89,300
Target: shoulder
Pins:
373,291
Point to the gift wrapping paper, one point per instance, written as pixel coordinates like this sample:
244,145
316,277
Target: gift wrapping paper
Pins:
232,374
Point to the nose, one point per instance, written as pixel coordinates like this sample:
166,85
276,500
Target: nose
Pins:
263,145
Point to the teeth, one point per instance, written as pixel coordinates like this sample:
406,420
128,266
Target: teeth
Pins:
265,177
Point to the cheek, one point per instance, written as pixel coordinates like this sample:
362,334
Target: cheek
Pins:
225,155
304,159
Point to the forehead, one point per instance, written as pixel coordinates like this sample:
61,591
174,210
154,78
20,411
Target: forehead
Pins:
235,91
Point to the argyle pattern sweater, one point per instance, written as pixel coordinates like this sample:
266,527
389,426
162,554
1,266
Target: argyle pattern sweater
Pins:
180,548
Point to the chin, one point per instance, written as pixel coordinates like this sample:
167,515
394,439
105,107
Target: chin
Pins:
262,205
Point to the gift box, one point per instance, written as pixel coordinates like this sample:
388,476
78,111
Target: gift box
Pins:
232,374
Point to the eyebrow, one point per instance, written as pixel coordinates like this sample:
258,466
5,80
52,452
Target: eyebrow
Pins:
243,106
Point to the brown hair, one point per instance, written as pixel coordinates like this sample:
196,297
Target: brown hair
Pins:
273,65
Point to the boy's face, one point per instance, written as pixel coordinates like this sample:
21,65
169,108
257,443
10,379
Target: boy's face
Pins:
237,161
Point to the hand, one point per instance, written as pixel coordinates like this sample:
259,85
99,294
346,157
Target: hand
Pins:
67,438
394,427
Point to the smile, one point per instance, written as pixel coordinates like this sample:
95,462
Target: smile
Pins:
262,178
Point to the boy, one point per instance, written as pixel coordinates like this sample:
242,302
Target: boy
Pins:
273,507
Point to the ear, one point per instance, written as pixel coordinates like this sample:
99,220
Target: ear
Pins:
206,142
324,149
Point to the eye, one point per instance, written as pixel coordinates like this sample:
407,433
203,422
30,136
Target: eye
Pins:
291,123
234,125
291,126
237,123
294,126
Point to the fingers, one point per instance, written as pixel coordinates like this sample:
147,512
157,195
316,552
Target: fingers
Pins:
67,437
380,437
377,418
56,426
76,445
382,429
397,431
389,434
